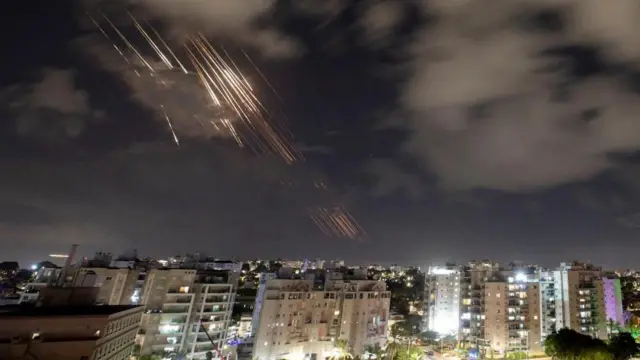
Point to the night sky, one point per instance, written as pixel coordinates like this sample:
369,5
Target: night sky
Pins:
452,130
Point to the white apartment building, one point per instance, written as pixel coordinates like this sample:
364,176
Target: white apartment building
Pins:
187,312
577,296
443,299
298,322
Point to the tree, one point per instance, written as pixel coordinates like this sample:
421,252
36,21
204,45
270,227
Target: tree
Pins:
409,353
209,355
428,336
375,351
341,350
568,344
150,357
595,354
515,355
407,328
623,346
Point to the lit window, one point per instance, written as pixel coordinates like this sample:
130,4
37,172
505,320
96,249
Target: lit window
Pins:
35,335
184,289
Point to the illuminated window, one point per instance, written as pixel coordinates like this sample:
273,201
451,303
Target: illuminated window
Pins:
184,289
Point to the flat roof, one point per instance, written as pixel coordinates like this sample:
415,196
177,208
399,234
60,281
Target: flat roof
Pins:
75,310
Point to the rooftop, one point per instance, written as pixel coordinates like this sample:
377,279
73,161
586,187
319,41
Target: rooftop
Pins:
31,311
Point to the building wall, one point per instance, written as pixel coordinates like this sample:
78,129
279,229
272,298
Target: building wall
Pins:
575,296
181,311
118,336
443,300
116,286
167,300
613,300
511,314
70,337
495,314
295,320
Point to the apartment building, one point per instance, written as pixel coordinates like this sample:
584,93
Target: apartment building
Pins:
442,295
44,276
187,311
68,332
511,313
579,297
473,277
115,286
297,320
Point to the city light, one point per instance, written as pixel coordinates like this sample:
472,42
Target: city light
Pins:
62,256
521,277
34,267
440,271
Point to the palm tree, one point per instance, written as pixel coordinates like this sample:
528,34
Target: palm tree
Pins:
393,349
341,351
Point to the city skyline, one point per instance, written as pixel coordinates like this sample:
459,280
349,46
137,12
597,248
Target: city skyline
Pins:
518,144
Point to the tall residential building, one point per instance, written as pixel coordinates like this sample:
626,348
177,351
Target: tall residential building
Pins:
577,296
115,286
612,293
473,277
298,321
187,311
260,296
68,332
511,313
443,299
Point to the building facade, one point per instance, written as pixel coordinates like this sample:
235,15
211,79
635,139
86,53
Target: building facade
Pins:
473,277
579,297
115,286
511,313
187,312
69,332
442,299
297,321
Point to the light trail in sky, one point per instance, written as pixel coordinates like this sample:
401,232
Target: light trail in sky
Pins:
232,109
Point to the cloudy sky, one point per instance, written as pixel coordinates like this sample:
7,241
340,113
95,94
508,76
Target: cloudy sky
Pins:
451,130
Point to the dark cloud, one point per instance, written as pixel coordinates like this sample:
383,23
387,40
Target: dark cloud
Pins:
236,20
53,108
478,56
159,199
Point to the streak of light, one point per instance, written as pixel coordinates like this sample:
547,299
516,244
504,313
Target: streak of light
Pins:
152,43
128,43
337,222
175,137
262,75
98,26
235,108
59,256
173,54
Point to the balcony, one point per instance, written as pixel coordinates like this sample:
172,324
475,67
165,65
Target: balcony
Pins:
170,320
179,300
184,290
176,310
